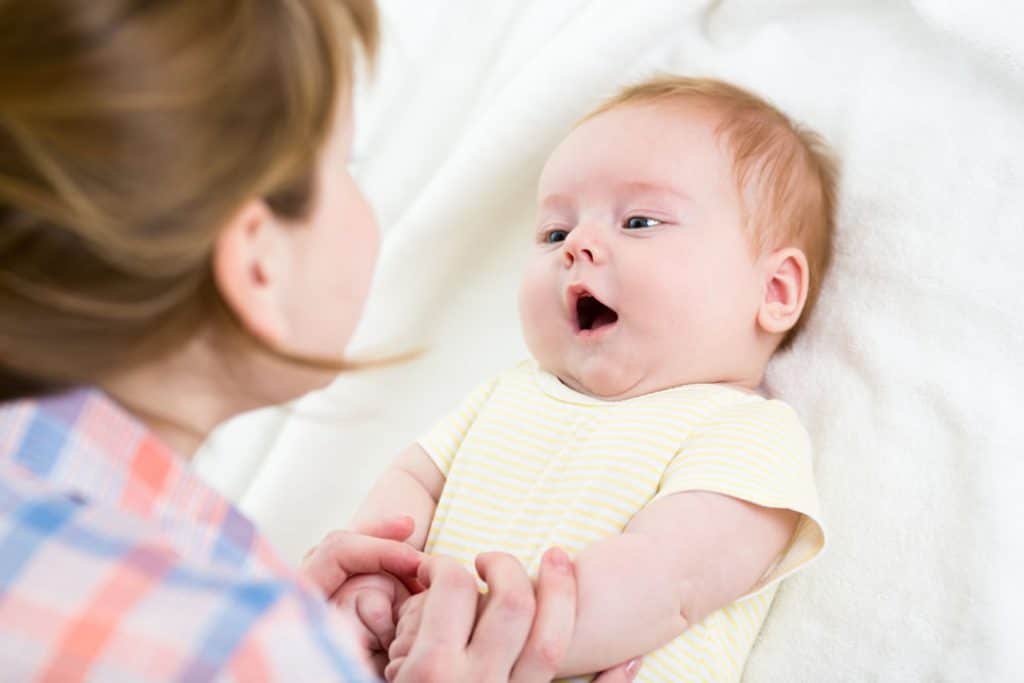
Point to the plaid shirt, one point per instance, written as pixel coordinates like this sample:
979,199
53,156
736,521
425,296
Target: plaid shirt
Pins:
118,564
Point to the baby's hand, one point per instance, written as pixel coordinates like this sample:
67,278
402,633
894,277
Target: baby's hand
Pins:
409,615
371,602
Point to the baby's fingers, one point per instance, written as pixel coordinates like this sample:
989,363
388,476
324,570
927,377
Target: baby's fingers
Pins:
405,634
375,611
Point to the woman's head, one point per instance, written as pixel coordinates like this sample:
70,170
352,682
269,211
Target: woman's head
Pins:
161,168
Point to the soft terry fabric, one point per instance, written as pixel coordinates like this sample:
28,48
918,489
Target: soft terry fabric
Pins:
530,463
118,564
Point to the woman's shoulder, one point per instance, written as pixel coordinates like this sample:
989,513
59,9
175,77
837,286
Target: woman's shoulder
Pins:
83,446
67,560
83,441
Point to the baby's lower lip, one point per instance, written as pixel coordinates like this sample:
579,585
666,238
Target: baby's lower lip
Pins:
596,333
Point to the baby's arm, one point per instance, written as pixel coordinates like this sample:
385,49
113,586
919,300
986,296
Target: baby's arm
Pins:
681,558
410,486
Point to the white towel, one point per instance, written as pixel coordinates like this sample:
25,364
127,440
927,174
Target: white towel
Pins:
909,376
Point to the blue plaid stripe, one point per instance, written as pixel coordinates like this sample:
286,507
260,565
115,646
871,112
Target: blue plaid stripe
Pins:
47,434
339,660
34,523
41,446
234,541
246,603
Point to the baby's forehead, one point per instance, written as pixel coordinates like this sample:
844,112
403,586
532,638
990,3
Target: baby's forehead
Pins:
758,145
641,144
658,118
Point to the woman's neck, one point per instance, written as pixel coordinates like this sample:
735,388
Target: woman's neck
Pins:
184,396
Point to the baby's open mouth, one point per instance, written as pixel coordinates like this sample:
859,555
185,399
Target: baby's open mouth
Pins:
591,314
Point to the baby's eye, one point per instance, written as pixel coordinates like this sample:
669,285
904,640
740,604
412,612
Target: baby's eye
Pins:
637,222
553,236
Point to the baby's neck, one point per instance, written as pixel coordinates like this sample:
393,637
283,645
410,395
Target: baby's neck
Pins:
755,388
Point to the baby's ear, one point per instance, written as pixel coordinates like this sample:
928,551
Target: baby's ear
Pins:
786,278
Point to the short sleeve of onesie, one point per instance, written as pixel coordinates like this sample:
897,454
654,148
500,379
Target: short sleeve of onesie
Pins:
759,452
442,442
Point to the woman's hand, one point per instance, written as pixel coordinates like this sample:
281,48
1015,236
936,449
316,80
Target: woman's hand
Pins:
519,636
370,550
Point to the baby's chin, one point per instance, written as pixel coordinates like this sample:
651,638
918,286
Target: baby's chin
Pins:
606,383
617,382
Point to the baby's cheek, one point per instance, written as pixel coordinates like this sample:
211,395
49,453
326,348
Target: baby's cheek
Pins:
529,294
536,313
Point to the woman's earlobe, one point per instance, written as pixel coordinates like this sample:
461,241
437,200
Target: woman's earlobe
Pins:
785,290
245,271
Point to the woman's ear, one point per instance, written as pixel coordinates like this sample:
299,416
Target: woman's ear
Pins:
786,278
250,269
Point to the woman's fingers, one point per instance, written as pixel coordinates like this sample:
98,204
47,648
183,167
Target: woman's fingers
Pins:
398,528
553,622
395,528
438,648
507,614
449,609
343,553
623,673
434,628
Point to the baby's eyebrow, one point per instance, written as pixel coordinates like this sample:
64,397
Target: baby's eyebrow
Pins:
565,202
556,202
645,187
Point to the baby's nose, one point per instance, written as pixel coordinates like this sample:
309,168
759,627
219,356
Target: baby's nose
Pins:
584,253
582,245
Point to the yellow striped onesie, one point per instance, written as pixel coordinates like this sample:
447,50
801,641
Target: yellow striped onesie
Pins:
530,463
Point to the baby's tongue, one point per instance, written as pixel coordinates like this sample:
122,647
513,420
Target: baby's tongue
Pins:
605,316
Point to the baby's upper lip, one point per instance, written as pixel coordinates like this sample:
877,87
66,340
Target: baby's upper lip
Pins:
573,293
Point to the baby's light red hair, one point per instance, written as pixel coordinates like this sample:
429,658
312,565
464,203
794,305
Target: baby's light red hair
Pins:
785,173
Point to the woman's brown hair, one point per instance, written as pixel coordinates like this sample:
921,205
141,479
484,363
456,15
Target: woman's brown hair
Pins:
130,133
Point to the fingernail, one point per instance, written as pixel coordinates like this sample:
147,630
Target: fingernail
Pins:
559,560
632,668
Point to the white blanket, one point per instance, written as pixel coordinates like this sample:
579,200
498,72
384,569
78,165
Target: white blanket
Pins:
909,377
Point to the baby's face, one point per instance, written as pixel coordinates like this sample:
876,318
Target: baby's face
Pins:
642,276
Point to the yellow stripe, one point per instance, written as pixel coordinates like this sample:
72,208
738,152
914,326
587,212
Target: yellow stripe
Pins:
475,504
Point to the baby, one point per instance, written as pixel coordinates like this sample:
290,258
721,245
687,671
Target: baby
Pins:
683,231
